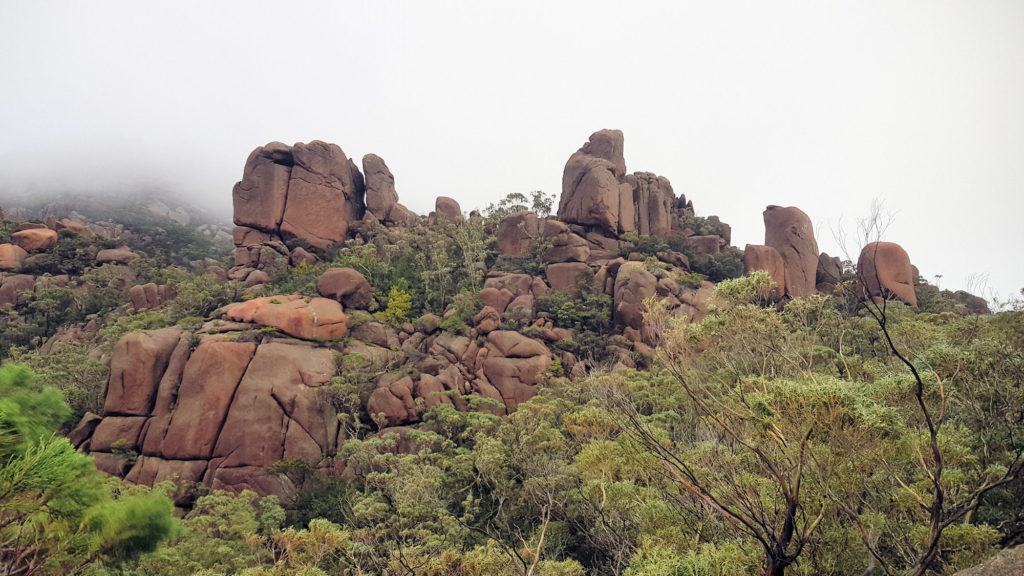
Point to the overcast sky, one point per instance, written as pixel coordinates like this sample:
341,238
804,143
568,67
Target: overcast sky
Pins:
821,105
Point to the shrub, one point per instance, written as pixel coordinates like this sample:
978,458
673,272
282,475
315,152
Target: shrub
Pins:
398,307
690,280
721,266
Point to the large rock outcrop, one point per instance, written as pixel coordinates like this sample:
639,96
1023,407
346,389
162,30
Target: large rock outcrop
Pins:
884,271
381,196
35,239
598,194
11,256
594,190
790,232
306,191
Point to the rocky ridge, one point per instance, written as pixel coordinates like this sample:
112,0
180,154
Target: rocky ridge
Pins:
223,403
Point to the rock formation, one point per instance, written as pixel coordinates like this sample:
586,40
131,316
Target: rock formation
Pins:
146,296
381,197
790,232
35,240
221,404
884,271
768,259
11,256
598,194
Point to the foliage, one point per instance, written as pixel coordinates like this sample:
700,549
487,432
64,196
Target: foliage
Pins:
719,267
70,369
399,304
643,244
59,515
537,202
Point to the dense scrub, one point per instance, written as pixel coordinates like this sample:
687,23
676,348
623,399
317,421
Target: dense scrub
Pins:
765,433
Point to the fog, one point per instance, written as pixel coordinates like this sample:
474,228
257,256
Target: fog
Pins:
827,106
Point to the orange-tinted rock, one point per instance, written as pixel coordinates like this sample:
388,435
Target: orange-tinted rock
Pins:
486,320
259,198
567,247
381,196
274,414
591,183
151,470
517,284
300,256
884,270
447,209
136,367
322,195
521,309
112,464
13,285
514,345
566,276
431,390
497,299
35,240
209,382
346,286
516,232
11,256
295,315
653,197
768,259
789,231
257,278
515,378
113,432
74,226
633,284
122,255
395,402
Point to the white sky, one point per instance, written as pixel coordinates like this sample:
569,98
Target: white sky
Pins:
821,105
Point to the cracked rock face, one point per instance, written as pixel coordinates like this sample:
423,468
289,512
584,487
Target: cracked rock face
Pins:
220,414
307,191
790,232
597,193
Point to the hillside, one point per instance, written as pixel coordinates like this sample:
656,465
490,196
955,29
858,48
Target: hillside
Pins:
605,386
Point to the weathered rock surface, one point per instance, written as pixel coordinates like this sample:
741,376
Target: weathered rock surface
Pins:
347,286
322,195
790,232
122,255
633,284
597,194
884,271
295,315
653,197
35,240
768,259
137,365
381,196
592,185
12,285
447,209
307,191
11,256
146,296
516,232
566,276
